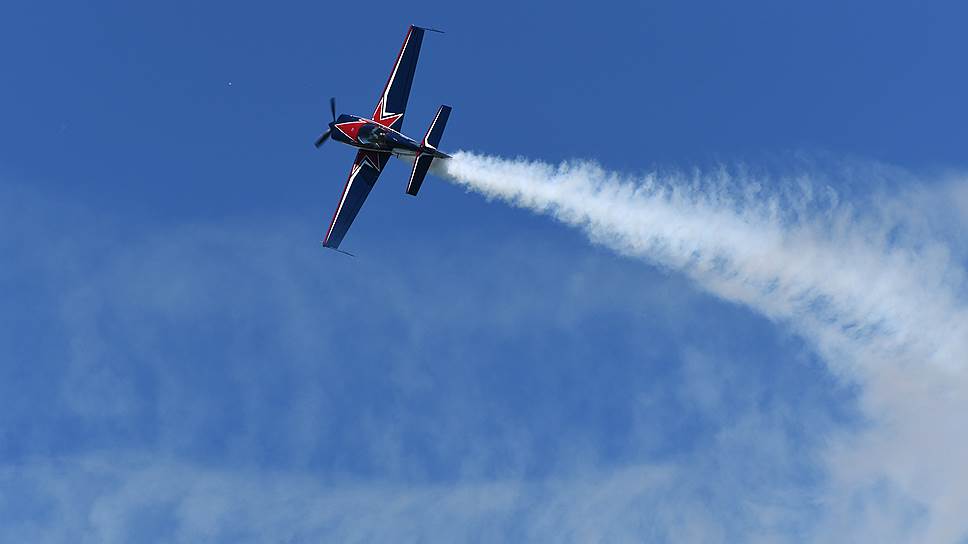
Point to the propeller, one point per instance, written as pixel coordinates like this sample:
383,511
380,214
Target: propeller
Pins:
325,136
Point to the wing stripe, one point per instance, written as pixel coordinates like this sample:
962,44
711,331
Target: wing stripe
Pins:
346,189
363,176
393,74
392,105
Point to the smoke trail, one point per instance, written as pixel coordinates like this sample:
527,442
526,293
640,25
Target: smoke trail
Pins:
879,294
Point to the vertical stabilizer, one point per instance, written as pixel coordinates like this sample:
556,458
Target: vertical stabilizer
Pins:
421,163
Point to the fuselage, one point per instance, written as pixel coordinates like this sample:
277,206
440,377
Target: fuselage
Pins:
368,134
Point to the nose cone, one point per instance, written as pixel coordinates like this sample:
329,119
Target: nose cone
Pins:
337,134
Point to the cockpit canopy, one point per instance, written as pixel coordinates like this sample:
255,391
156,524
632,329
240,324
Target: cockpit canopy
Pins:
372,134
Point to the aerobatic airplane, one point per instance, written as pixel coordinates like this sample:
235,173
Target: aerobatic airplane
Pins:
379,137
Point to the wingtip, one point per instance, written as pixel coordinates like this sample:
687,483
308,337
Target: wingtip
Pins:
323,242
429,29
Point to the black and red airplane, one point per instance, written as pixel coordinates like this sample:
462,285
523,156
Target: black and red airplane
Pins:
379,137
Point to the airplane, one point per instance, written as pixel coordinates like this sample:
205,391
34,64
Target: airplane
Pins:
379,137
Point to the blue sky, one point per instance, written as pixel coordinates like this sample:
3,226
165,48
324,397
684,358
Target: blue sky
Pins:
181,361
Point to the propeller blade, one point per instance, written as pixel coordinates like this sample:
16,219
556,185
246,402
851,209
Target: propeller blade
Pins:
332,107
322,138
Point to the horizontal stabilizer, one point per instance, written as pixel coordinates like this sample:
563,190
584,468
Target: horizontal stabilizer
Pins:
436,130
420,166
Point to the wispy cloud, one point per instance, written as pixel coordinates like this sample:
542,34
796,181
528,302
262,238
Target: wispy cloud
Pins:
130,498
231,382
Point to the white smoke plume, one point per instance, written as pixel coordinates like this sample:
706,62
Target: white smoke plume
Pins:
874,285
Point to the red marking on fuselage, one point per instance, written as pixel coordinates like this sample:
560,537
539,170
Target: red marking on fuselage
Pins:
351,129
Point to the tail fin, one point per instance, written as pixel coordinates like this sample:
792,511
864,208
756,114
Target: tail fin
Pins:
420,166
421,162
436,130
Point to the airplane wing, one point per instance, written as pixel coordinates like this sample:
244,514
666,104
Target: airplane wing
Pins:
366,169
393,102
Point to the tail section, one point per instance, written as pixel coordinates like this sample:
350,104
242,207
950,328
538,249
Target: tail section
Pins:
421,162
420,166
436,130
